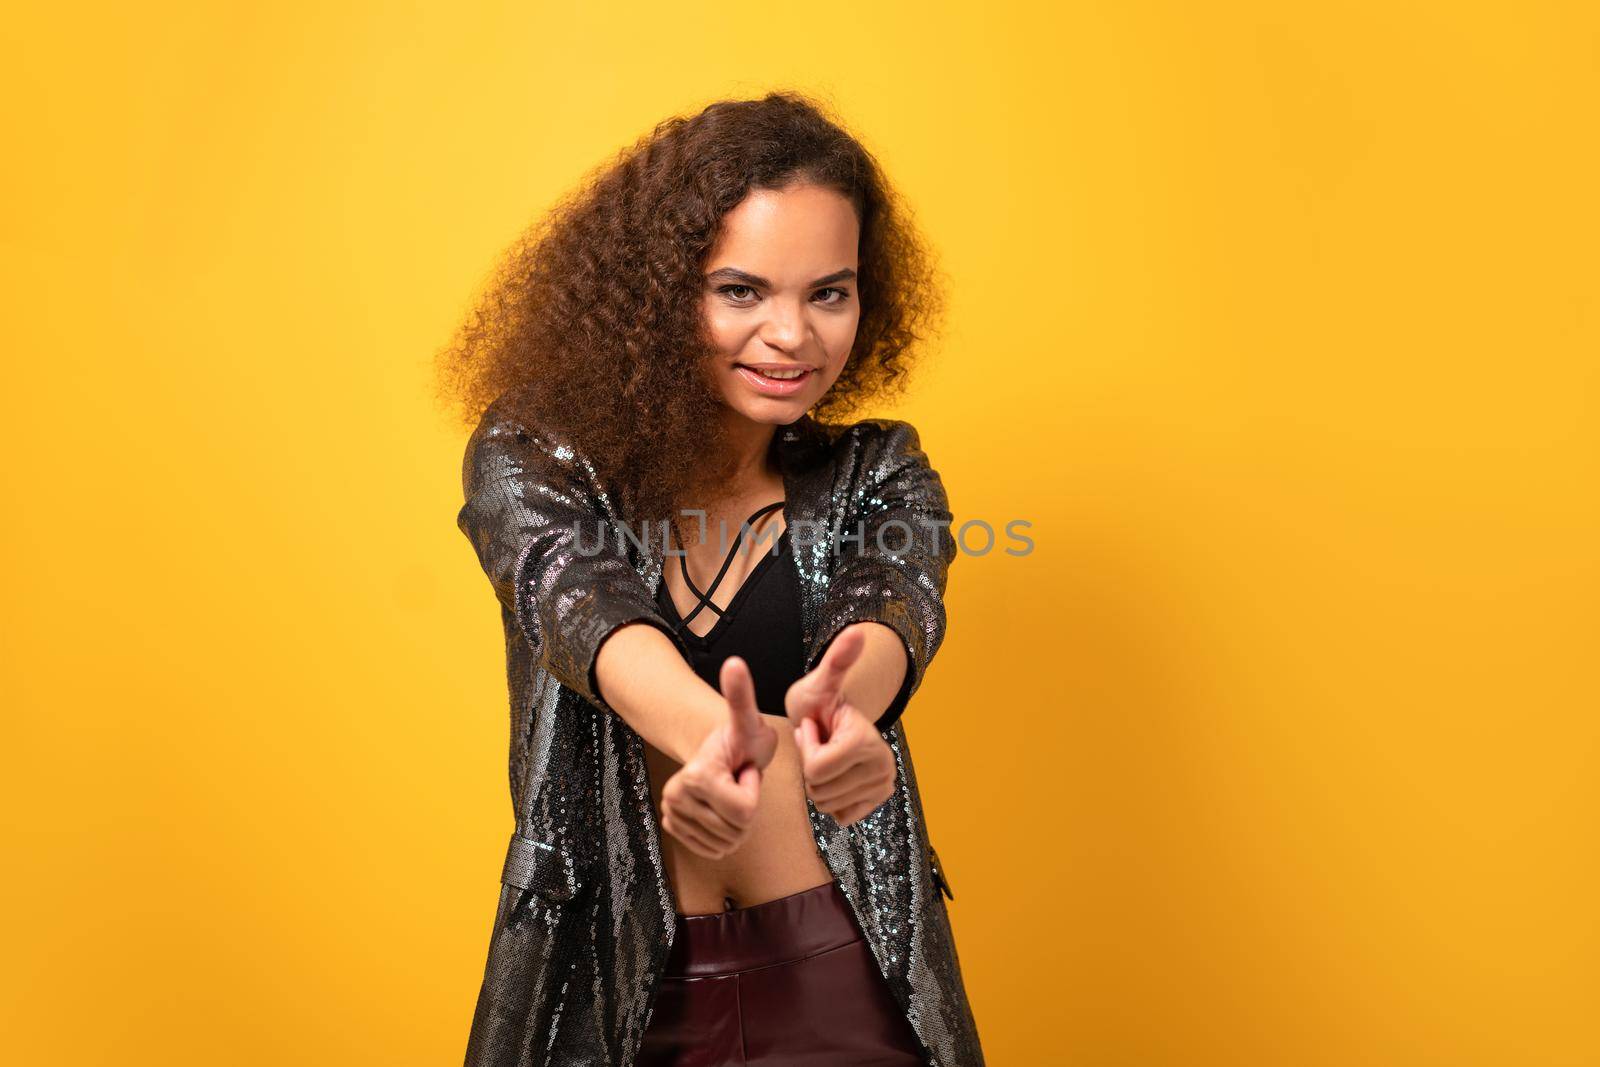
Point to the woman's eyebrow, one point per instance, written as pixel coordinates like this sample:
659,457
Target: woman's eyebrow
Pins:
744,277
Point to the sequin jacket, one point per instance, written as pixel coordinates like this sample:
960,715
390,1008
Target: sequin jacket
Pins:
586,915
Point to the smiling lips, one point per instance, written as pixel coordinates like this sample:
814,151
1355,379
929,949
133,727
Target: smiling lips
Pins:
775,379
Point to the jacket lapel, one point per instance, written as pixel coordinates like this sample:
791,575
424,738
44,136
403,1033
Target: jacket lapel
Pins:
808,475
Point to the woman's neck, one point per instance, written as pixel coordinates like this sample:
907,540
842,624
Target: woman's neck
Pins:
750,458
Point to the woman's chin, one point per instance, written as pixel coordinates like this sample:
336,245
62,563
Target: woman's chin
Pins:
771,410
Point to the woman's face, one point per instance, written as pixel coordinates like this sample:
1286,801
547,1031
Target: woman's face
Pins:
780,297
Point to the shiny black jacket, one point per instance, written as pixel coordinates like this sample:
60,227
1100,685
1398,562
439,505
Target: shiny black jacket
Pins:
586,913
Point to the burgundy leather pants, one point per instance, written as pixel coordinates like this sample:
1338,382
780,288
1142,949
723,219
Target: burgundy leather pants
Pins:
789,981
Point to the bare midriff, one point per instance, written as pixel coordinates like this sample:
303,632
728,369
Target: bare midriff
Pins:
778,856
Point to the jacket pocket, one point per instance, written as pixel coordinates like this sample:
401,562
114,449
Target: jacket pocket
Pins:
530,955
936,871
544,869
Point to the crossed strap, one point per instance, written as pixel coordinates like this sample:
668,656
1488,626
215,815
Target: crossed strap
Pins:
705,597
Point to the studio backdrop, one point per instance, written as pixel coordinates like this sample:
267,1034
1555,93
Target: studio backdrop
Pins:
1272,331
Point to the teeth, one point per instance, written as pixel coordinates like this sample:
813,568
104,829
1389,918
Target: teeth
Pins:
781,375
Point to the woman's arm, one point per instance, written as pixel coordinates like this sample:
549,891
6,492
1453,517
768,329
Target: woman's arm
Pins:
647,680
878,683
893,574
535,517
882,620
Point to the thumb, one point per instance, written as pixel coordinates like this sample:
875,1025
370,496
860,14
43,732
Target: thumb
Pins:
807,740
842,653
748,782
739,690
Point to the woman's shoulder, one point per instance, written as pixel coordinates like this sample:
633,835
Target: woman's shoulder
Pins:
511,438
864,452
875,433
879,441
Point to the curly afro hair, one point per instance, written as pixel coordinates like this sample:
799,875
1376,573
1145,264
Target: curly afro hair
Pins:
591,325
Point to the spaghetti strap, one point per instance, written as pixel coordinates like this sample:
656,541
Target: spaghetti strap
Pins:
705,597
759,621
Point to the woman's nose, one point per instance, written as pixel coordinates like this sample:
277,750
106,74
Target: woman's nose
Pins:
785,328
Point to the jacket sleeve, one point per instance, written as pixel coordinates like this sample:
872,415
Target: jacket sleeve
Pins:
547,538
896,547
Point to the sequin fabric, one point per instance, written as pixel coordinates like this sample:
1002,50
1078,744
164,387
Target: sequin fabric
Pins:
586,914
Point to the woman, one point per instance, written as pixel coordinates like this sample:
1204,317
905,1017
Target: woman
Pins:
720,854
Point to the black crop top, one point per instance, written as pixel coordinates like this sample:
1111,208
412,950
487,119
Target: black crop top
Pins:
761,625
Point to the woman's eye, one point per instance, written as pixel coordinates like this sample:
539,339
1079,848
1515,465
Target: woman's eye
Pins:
743,293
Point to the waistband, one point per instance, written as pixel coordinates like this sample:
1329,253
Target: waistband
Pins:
775,931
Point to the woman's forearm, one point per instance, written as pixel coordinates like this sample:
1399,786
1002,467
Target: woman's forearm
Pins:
641,674
873,681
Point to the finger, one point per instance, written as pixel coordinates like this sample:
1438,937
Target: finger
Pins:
727,805
706,849
739,690
832,758
859,808
693,804
747,786
820,716
703,800
831,763
857,812
805,739
710,821
856,783
854,780
842,756
691,836
736,800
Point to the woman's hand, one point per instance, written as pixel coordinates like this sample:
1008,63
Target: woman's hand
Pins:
711,800
848,767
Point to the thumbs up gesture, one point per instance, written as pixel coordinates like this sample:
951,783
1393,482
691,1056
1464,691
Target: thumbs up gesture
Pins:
848,767
711,801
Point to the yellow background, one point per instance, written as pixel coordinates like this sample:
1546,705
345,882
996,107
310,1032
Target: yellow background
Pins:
1278,322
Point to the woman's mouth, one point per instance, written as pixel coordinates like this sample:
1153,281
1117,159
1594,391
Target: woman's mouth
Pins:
776,379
